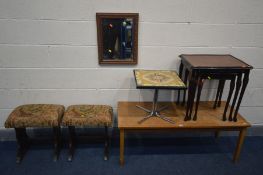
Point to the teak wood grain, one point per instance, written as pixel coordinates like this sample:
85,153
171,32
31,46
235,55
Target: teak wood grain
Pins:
209,119
129,115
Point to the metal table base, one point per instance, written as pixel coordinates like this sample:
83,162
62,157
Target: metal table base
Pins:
154,112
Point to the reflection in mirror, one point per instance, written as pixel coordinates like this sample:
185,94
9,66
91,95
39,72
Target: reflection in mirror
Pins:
117,38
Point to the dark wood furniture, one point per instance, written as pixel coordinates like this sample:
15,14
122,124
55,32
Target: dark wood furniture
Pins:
157,79
117,35
199,67
209,120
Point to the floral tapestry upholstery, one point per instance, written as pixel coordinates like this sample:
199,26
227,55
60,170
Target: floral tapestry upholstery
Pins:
35,115
88,115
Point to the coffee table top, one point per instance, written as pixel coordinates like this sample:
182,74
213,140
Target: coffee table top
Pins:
158,79
214,61
208,118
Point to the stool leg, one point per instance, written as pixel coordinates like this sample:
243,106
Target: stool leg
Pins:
22,143
72,136
106,148
57,144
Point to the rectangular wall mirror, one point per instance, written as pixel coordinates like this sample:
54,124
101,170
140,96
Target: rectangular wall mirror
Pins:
117,38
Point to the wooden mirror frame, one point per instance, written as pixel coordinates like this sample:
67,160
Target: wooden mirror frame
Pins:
99,18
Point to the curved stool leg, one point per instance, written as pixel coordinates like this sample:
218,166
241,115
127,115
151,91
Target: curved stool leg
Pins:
72,137
22,143
106,148
57,144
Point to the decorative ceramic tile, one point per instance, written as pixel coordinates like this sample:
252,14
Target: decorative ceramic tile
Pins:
156,78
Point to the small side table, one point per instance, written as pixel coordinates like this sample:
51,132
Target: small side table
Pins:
157,79
222,67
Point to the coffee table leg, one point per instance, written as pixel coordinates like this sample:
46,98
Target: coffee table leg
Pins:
121,147
240,142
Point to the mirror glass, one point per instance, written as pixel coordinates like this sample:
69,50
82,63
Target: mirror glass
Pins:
117,38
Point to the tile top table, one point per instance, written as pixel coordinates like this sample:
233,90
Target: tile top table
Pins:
157,79
208,66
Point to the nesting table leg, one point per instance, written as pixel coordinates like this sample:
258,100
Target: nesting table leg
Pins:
121,147
238,84
219,93
194,84
240,142
185,82
244,85
232,86
180,75
191,96
200,86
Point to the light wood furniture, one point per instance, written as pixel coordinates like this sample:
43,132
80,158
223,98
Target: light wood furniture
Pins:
209,120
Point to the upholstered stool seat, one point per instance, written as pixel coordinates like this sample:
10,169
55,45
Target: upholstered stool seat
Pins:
35,115
87,115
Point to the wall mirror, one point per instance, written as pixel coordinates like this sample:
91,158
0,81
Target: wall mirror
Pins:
117,35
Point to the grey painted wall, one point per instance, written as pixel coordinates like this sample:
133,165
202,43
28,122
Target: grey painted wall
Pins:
48,49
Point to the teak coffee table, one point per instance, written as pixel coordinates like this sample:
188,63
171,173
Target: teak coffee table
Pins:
220,67
157,79
209,120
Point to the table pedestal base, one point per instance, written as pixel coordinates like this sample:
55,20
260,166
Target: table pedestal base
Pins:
154,112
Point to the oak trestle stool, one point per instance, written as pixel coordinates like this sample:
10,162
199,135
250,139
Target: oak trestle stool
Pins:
37,116
87,116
